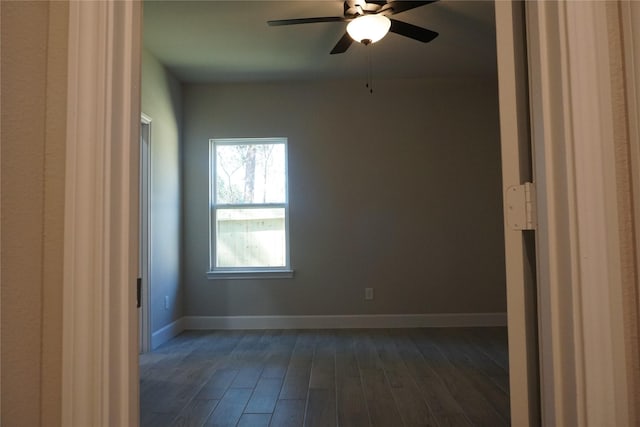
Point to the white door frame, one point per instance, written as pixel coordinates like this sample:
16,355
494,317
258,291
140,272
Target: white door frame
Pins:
583,381
145,233
516,170
100,319
583,371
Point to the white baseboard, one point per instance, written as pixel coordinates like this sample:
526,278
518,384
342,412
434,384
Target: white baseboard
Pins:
346,321
441,320
165,333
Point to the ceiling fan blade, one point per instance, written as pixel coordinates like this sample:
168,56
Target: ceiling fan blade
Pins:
306,20
342,45
412,31
403,6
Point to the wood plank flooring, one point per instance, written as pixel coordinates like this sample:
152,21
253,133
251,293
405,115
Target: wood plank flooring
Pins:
365,377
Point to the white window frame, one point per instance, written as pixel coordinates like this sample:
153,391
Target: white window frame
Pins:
246,272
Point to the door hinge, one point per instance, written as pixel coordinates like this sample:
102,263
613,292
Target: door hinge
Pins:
139,292
521,207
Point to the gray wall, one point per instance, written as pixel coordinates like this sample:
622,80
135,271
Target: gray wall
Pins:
162,101
399,191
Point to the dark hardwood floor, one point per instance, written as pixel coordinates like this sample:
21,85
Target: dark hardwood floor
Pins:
373,377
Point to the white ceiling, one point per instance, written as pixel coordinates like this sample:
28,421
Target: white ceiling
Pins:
222,41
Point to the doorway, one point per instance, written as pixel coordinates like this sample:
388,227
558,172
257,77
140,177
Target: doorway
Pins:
89,388
524,365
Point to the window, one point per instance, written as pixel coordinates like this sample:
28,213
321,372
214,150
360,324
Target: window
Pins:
249,208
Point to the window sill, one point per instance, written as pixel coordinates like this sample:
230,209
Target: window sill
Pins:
250,274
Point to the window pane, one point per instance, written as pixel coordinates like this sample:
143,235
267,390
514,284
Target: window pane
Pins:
250,173
250,238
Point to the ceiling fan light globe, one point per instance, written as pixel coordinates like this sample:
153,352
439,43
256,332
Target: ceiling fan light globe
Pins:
369,28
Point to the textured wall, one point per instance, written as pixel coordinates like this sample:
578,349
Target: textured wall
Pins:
399,191
161,100
34,61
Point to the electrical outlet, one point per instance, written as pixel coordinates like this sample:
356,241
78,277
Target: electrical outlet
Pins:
166,302
368,293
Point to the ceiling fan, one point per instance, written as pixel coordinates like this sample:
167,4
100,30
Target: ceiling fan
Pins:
369,22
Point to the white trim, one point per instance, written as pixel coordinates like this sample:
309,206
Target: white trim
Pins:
516,169
250,274
145,263
167,332
144,118
440,320
100,322
547,86
598,257
578,251
213,207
